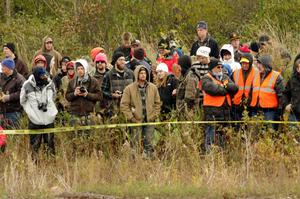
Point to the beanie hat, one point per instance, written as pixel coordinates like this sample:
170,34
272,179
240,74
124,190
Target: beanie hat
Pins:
213,63
265,60
162,67
263,39
101,57
163,44
244,49
10,46
96,51
185,63
203,51
202,24
139,53
40,58
254,46
65,59
9,63
116,56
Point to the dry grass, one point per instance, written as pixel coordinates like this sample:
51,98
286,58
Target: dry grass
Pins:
249,166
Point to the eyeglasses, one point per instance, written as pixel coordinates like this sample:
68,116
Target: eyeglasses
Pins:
219,67
49,42
100,62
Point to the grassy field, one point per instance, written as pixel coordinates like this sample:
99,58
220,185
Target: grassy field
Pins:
255,163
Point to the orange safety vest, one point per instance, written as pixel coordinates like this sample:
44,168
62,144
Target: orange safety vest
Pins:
244,87
217,101
266,93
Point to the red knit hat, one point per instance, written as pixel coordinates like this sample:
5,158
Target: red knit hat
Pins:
40,58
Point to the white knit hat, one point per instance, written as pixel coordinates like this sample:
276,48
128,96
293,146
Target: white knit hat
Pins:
162,67
203,51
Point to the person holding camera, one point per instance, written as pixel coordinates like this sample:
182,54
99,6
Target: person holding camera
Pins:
37,98
10,87
82,93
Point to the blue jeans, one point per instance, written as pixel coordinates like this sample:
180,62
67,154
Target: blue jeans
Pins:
12,120
213,137
294,118
147,135
269,115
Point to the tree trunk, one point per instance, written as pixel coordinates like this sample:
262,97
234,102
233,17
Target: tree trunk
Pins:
7,10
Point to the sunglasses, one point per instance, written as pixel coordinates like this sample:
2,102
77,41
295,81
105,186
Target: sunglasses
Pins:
219,67
49,42
100,62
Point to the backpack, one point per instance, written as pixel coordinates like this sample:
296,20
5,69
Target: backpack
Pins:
180,94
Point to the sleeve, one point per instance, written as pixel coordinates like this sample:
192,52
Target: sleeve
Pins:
212,88
279,89
287,94
95,95
70,92
23,97
16,95
106,86
125,104
214,49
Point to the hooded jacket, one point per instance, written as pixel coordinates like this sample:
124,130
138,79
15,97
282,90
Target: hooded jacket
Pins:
32,96
80,105
279,84
233,65
131,102
53,53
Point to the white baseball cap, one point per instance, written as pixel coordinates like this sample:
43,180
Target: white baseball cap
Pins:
203,51
162,67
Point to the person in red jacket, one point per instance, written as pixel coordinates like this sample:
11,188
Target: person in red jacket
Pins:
3,138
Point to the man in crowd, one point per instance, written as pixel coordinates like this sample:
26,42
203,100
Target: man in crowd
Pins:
115,81
37,98
141,103
83,92
49,53
217,88
246,79
9,50
11,83
269,97
204,39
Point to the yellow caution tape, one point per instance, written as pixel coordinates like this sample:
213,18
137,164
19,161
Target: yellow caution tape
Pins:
111,126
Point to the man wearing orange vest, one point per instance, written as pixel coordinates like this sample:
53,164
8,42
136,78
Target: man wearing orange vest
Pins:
268,98
244,78
217,88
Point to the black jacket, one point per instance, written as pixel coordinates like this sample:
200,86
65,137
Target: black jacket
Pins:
209,42
291,94
165,93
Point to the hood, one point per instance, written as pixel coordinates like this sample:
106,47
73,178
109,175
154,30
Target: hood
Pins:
296,62
33,82
266,61
229,48
249,57
85,65
44,43
137,70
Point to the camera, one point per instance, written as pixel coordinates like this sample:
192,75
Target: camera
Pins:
82,89
42,106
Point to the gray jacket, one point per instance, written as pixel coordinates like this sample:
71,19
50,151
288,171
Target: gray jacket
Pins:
32,97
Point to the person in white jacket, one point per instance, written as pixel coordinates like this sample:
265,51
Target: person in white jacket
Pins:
227,57
37,98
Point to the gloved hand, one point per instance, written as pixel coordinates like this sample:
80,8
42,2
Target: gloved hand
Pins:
225,82
5,98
